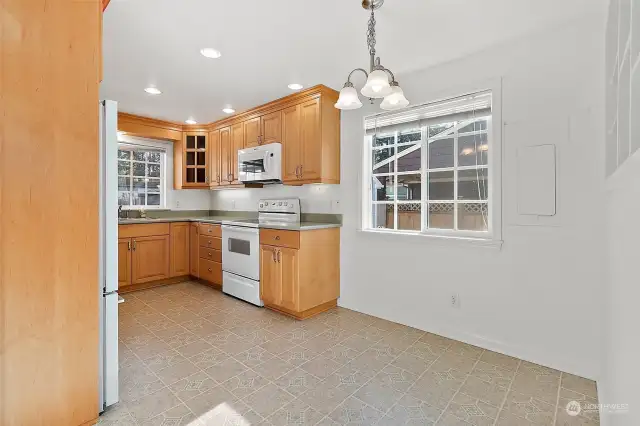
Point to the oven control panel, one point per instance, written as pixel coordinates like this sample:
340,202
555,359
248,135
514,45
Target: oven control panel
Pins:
283,205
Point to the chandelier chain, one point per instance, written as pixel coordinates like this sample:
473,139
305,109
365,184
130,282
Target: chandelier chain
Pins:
371,33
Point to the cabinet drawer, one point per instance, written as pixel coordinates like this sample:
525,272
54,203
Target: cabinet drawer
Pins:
210,254
210,242
210,229
211,271
143,230
280,238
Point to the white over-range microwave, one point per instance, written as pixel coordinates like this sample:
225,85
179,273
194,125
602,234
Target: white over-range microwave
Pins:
260,164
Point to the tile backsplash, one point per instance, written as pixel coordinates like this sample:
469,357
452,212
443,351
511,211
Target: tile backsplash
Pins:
313,198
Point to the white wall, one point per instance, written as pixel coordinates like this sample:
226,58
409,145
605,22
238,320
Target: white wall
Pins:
185,199
313,198
621,350
539,297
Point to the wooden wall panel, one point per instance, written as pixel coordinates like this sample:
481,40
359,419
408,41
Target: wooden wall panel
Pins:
49,211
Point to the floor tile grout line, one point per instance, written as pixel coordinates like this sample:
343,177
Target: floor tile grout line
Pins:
506,395
555,411
444,410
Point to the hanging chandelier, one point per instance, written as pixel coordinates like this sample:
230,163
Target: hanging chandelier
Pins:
380,81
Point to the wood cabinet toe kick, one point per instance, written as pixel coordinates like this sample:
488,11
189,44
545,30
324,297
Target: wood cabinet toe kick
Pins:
300,270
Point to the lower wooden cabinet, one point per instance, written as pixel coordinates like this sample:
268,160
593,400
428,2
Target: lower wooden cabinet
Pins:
300,271
279,278
211,271
179,236
193,250
124,262
150,259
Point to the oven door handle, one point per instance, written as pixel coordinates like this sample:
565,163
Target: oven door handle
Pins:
242,229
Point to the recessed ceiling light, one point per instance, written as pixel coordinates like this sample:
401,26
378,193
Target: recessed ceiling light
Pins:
191,121
210,53
228,110
295,86
152,91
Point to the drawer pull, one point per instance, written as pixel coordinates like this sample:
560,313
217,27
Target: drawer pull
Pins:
210,254
210,270
209,230
277,237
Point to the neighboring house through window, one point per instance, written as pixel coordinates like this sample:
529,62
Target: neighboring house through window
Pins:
427,168
141,177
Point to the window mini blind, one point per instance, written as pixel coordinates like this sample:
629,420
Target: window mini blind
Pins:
465,107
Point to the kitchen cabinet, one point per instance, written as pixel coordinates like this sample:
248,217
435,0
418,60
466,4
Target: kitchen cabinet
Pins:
179,238
237,142
214,158
124,262
262,130
252,132
305,123
300,270
270,277
195,173
271,128
210,253
193,250
149,259
311,142
225,156
291,143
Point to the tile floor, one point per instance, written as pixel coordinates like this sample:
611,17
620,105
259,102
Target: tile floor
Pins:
190,355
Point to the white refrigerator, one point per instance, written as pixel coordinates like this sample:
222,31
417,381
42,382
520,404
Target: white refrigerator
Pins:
108,283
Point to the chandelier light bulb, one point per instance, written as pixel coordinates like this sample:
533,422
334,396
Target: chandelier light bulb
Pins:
377,85
395,100
348,99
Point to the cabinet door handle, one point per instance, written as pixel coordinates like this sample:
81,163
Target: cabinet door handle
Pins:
301,171
278,256
297,167
129,245
134,245
273,253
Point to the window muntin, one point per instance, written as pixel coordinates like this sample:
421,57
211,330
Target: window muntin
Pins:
140,177
431,177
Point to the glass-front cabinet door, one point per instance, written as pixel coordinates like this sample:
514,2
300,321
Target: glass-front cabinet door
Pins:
195,159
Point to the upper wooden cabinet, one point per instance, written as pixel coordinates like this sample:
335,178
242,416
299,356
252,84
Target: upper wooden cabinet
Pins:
214,158
195,151
237,142
306,123
252,132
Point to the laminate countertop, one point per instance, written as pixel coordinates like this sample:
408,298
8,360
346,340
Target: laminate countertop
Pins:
302,226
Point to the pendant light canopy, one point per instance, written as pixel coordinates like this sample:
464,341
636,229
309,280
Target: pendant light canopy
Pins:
381,82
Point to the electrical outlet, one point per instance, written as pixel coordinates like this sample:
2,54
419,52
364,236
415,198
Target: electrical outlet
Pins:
177,203
455,300
233,204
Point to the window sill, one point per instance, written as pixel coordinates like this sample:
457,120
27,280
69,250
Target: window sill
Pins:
444,240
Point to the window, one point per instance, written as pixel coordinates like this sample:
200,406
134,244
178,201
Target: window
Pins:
141,177
428,168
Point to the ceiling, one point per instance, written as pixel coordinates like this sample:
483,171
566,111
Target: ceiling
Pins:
266,45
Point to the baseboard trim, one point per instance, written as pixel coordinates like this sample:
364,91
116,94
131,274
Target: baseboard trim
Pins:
152,284
493,345
304,314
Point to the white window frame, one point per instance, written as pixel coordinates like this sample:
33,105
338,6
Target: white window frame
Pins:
128,146
493,235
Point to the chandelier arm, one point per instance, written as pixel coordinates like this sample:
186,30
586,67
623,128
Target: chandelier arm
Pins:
357,69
